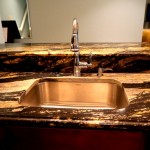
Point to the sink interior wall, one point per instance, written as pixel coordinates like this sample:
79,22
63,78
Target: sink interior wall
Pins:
76,94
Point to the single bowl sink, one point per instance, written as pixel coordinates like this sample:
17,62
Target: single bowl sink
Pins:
75,92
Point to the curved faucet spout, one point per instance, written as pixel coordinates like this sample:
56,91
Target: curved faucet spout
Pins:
75,48
74,38
75,26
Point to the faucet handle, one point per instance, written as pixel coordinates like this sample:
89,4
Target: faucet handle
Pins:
88,63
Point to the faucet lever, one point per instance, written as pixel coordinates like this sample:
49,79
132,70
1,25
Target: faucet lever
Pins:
83,64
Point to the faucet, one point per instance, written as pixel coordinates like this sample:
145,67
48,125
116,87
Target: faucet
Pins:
75,48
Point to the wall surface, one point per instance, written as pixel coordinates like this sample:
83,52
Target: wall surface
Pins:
99,20
12,9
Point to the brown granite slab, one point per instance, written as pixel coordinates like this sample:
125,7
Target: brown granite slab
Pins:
22,64
120,57
136,116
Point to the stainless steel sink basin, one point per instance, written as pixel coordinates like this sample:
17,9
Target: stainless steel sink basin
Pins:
75,92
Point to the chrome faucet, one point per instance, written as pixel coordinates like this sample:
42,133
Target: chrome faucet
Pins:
74,39
75,48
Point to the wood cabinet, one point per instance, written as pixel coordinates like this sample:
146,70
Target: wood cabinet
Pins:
27,138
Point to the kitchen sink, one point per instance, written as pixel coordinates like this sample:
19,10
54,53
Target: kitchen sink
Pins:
65,92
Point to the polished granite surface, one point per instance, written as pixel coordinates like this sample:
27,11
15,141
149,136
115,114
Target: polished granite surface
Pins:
22,64
121,58
136,116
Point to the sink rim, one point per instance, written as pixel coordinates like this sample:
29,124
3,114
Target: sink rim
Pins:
75,79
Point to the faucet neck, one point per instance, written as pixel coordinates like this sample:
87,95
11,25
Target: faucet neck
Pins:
74,43
75,48
74,38
75,26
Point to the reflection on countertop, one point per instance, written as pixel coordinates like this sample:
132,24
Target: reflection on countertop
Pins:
135,116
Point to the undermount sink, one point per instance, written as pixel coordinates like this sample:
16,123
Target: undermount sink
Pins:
75,92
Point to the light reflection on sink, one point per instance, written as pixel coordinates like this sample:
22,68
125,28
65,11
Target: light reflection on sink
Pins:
94,93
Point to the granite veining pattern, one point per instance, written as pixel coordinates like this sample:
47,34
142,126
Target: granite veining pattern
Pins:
136,116
22,64
122,58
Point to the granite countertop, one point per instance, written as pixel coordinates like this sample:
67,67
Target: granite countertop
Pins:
61,49
22,64
136,116
120,57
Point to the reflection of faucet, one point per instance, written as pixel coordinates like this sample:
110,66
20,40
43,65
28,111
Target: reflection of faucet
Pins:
75,48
